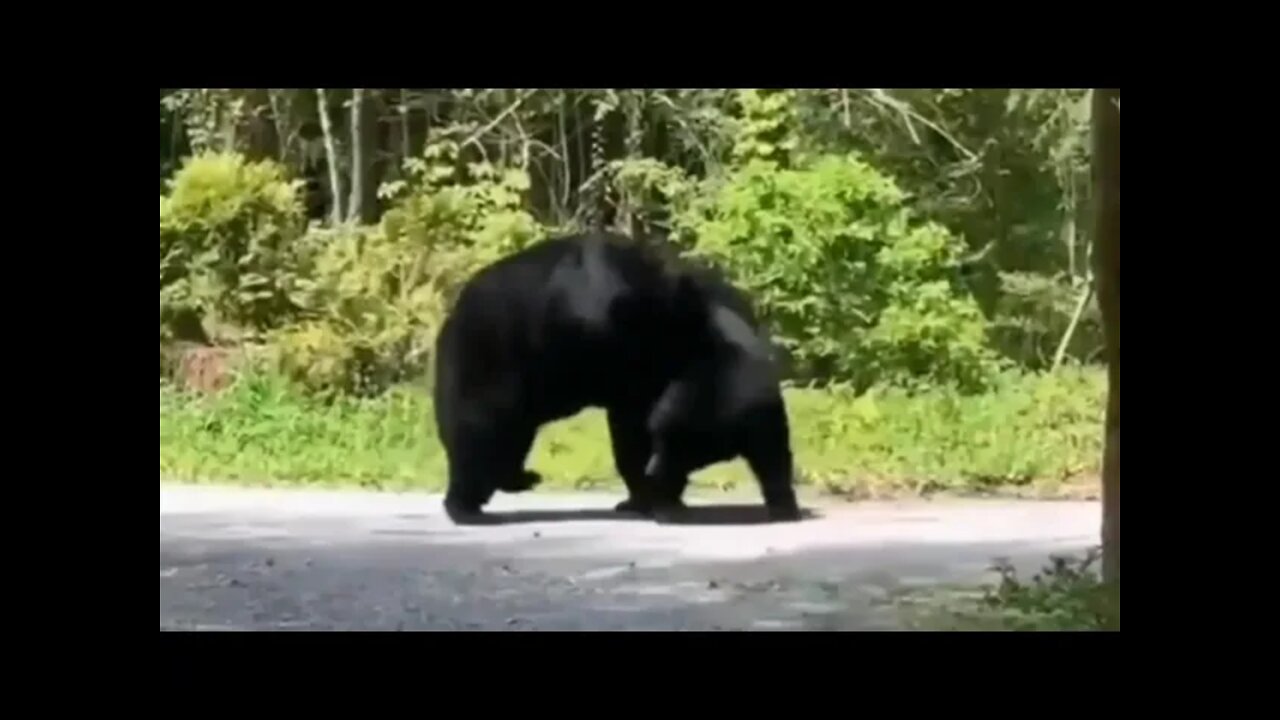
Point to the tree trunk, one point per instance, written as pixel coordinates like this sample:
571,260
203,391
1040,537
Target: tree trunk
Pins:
261,138
363,204
406,139
1065,342
335,182
281,107
1106,234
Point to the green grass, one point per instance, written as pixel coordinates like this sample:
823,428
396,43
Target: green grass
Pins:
1066,595
1031,432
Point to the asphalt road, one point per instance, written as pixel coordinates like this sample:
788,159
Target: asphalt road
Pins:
236,559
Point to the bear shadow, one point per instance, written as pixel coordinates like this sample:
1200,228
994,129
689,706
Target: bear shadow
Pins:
719,514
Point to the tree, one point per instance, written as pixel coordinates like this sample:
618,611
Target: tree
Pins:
362,207
335,181
1106,196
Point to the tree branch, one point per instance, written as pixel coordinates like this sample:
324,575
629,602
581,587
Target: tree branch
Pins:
882,98
707,158
334,182
501,116
1061,352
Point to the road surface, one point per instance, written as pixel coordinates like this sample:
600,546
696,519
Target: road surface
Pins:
238,559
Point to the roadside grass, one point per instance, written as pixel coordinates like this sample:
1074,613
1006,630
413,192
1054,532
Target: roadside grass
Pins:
1035,434
1066,595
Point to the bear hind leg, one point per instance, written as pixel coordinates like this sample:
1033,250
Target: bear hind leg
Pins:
631,449
481,462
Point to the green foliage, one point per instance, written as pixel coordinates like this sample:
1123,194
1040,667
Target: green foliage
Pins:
373,305
263,430
228,254
1030,433
1007,170
1034,313
376,297
766,127
1066,595
648,188
446,204
852,286
1034,429
210,116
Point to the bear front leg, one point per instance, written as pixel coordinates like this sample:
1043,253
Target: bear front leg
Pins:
773,471
631,447
513,446
668,496
469,490
666,483
483,460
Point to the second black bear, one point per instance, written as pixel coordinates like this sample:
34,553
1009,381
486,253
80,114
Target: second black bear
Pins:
579,321
726,404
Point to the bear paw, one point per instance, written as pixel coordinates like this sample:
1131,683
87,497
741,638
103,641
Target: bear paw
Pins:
633,505
670,513
525,480
461,513
784,513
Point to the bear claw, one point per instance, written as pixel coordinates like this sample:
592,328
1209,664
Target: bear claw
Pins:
632,505
784,513
526,480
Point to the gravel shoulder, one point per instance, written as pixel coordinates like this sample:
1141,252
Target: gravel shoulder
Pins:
274,559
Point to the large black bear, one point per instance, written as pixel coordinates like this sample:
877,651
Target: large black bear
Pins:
589,320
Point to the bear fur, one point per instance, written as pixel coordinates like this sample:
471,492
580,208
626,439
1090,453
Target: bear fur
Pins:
727,404
587,320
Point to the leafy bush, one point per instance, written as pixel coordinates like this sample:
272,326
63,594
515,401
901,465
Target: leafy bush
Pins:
1035,311
446,204
648,188
372,309
766,129
852,287
376,296
1068,594
228,257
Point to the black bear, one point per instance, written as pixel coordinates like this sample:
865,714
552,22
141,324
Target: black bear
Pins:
726,404
584,320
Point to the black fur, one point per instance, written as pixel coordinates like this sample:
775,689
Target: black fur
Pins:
727,404
585,320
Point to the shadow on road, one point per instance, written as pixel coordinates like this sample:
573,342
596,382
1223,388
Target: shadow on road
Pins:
724,514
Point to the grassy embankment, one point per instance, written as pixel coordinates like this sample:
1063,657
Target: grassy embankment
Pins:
1034,434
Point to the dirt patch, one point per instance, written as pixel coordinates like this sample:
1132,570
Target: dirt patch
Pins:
200,368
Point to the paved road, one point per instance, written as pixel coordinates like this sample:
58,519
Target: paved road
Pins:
234,559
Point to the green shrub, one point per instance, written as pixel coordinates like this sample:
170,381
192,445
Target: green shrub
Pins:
851,285
373,307
446,204
228,257
376,296
766,129
1034,312
1066,595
